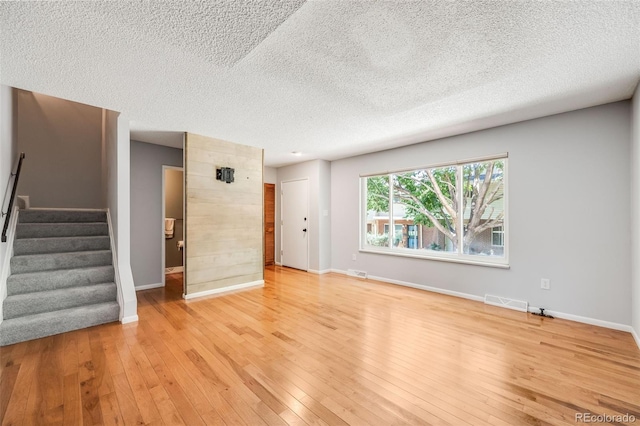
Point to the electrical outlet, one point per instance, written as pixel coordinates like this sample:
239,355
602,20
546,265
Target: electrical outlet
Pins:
545,284
353,256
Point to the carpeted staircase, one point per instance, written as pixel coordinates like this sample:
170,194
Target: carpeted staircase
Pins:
62,277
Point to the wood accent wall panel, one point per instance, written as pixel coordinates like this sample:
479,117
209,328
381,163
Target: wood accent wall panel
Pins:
224,221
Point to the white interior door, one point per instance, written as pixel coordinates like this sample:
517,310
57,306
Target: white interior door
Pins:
295,224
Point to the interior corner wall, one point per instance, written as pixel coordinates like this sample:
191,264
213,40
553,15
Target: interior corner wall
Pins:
8,147
318,172
635,213
62,141
270,175
324,216
8,137
8,157
117,177
224,221
569,213
147,223
110,163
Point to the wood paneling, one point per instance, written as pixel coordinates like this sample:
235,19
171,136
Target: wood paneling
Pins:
224,223
269,223
321,350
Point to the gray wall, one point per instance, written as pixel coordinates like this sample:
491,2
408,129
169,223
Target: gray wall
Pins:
635,199
319,174
147,223
173,207
63,141
569,213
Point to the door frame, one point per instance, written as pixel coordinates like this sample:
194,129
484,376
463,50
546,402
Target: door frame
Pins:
163,254
264,223
306,179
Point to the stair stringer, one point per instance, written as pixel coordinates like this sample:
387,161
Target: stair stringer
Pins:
6,265
124,282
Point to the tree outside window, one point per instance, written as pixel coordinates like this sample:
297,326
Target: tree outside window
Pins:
454,209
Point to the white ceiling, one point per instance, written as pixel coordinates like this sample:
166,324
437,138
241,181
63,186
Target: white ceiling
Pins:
328,78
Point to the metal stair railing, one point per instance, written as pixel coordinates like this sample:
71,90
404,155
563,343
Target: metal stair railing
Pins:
16,177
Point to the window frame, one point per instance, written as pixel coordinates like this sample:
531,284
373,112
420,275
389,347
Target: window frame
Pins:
456,257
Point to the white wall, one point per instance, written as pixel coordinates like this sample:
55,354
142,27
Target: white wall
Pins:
8,149
147,223
569,182
318,172
63,143
635,213
117,177
8,156
110,165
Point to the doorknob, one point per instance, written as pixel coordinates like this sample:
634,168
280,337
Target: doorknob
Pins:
304,230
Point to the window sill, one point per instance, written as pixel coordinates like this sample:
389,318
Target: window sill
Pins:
501,263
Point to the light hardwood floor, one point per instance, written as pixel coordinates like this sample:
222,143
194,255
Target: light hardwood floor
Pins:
309,349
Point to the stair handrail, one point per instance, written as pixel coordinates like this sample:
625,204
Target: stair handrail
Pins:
16,177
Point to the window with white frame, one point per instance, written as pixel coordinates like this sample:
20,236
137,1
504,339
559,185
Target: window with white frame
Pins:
497,236
450,212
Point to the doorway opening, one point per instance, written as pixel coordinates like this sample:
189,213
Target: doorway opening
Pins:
173,214
269,224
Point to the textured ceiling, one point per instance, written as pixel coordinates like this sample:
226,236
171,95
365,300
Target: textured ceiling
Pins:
328,78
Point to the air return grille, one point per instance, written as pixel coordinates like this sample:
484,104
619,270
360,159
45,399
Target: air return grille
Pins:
505,302
355,273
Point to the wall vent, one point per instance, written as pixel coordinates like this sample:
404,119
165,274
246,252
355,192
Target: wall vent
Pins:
355,273
505,302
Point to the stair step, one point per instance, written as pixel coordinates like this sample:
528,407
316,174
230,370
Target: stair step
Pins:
48,230
49,323
60,245
53,280
21,305
52,261
49,216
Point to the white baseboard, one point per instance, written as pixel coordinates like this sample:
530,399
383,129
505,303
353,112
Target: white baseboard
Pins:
585,320
278,263
173,270
420,287
324,271
561,315
635,337
244,286
429,288
148,286
127,320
